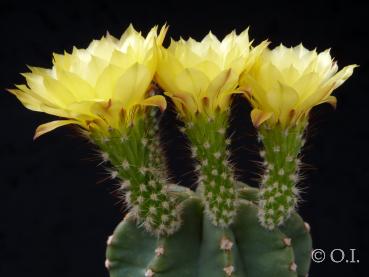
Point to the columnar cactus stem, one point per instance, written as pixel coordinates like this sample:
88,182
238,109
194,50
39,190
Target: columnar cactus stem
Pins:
200,249
137,160
279,194
215,174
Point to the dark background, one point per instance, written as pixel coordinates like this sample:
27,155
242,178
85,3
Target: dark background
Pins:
56,212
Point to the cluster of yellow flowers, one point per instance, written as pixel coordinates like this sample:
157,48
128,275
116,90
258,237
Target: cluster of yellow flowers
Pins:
107,84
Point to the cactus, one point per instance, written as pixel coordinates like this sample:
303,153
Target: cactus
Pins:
217,228
224,228
215,174
279,193
137,160
199,248
201,236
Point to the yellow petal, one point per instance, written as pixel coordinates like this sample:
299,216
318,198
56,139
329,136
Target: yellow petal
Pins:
288,100
123,59
98,85
221,89
82,109
36,85
28,100
162,34
259,116
210,69
341,76
78,87
168,68
226,81
186,100
106,82
255,54
156,100
57,89
178,102
90,71
132,85
255,93
200,69
332,100
47,127
290,81
35,102
326,89
269,76
307,85
225,99
192,81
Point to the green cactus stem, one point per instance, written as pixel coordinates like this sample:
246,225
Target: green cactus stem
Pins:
136,157
279,192
215,175
200,249
134,252
219,256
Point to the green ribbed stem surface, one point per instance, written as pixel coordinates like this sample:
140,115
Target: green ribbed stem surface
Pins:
136,157
279,194
216,182
200,249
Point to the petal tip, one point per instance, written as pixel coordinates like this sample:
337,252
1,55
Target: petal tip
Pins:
258,117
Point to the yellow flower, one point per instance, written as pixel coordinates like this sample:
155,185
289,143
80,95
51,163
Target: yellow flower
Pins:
285,83
98,88
201,76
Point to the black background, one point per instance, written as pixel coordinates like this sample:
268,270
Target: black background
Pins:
56,211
